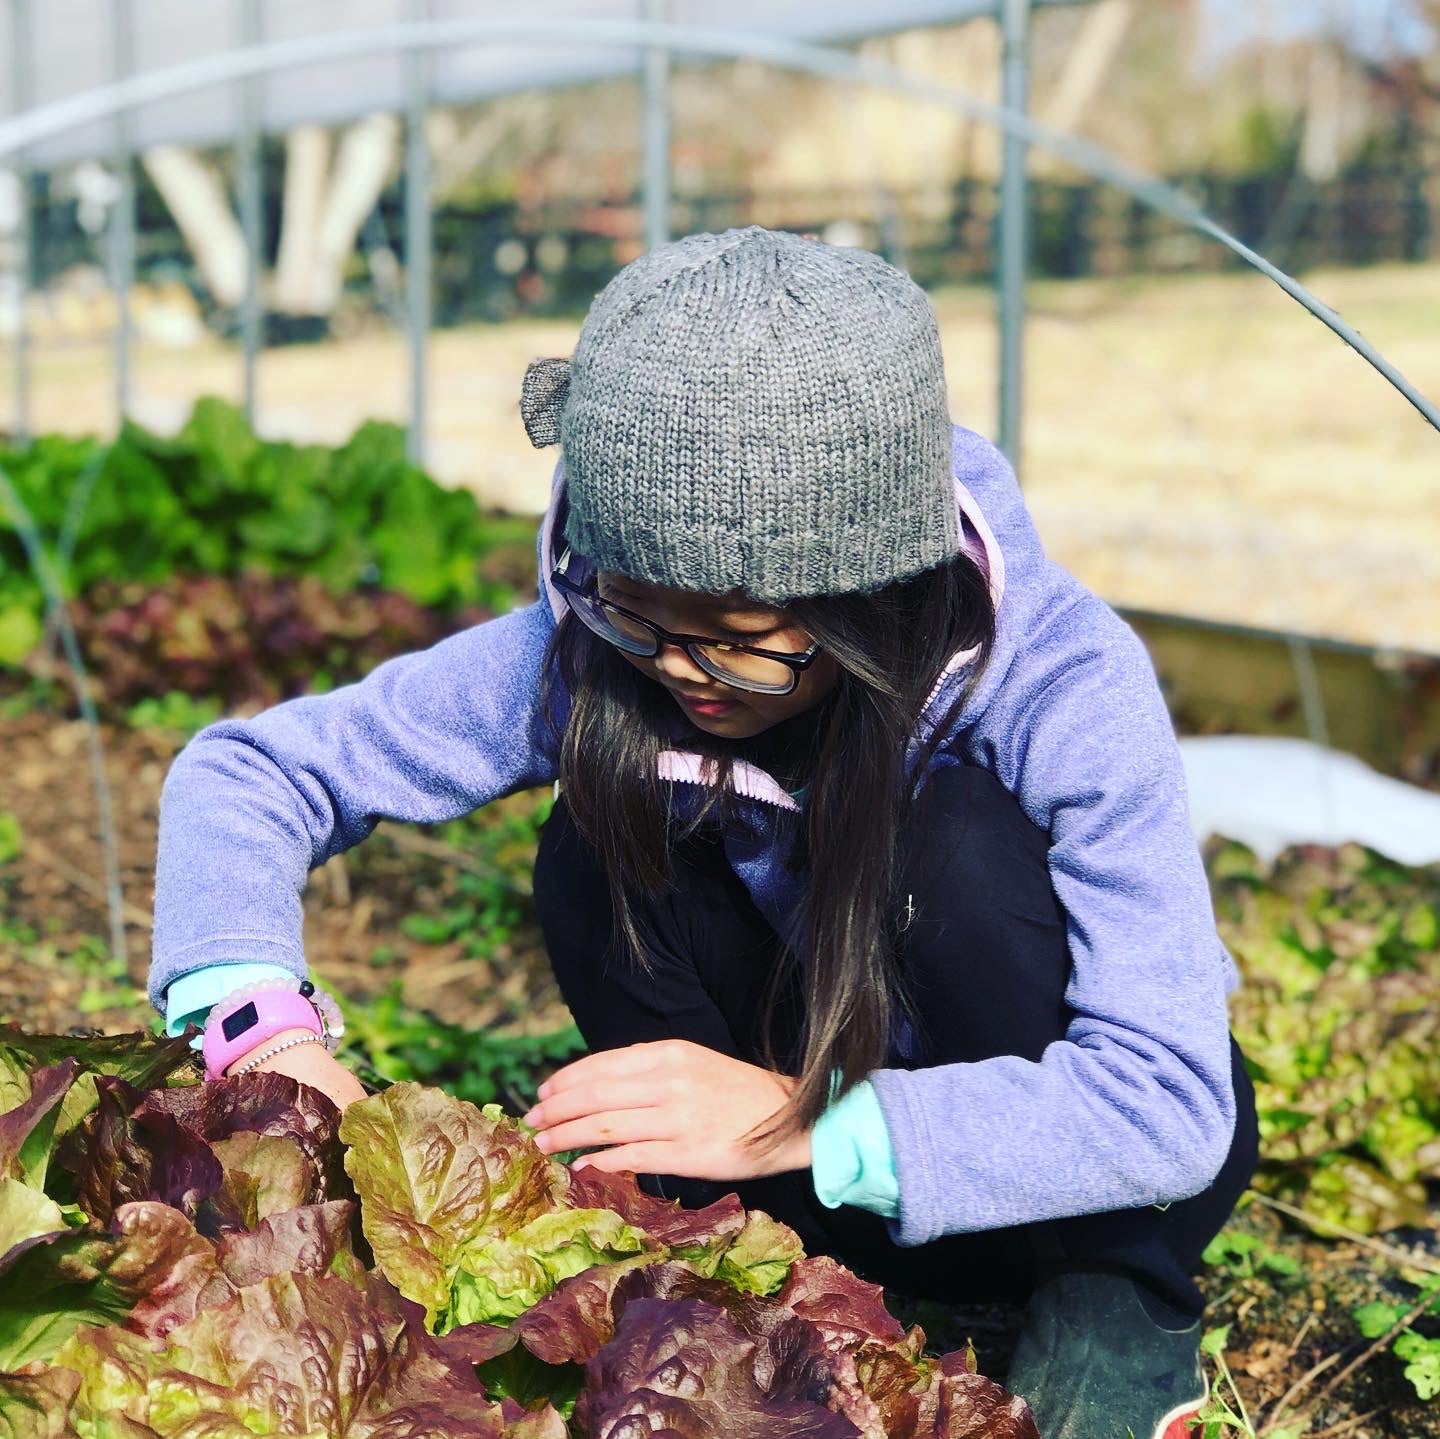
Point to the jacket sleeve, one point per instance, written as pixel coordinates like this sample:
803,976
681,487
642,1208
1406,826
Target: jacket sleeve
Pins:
1135,1105
251,806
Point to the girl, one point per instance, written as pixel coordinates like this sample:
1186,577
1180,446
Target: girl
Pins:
870,881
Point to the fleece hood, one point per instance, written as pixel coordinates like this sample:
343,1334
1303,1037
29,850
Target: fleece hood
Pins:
973,456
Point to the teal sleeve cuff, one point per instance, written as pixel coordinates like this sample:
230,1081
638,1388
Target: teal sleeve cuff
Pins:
851,1161
190,998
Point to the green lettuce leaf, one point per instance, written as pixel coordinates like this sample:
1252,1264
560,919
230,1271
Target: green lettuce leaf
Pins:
14,1075
698,1236
436,1176
759,1259
25,1215
60,1281
140,1059
265,1174
502,1278
518,1376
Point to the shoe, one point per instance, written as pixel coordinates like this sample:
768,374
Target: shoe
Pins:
1092,1364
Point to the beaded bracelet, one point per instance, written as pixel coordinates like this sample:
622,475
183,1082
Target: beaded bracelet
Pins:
249,1016
270,1053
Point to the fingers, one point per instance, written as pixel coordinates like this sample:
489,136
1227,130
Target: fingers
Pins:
595,1098
651,1158
630,1062
620,1126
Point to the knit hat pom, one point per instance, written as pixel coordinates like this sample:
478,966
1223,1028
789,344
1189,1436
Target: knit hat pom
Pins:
542,397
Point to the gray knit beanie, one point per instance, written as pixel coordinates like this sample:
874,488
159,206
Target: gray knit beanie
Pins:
754,410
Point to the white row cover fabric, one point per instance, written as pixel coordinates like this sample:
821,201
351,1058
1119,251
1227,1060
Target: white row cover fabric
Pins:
74,45
1270,793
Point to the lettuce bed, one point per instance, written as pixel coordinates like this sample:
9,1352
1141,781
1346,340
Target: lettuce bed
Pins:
223,1260
1339,1019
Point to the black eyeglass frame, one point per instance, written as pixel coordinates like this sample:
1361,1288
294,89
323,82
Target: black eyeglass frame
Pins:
590,590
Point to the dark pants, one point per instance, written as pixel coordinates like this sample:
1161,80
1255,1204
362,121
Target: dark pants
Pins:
986,960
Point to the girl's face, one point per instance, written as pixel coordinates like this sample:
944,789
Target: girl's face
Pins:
710,704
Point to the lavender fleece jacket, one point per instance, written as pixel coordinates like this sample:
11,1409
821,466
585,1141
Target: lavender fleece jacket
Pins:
1133,1107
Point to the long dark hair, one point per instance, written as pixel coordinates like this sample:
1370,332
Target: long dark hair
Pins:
891,646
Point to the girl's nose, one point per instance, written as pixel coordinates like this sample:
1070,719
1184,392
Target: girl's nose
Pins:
674,664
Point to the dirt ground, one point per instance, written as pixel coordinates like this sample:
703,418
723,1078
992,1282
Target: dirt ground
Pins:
1194,443
1285,1331
353,906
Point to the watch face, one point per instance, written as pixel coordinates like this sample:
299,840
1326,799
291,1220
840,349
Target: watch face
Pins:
246,1017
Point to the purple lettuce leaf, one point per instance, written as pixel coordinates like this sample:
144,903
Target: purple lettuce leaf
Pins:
27,1131
36,1404
571,1323
846,1310
522,1423
866,1411
682,1367
691,1234
888,1377
295,1355
313,1240
310,1239
964,1405
756,1316
477,1343
265,1104
188,1281
123,1153
577,1319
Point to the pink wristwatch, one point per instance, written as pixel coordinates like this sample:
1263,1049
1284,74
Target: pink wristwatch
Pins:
248,1016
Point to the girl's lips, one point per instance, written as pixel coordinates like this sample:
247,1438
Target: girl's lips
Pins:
704,707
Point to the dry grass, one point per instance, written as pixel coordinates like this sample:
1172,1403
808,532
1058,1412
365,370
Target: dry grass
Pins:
1195,444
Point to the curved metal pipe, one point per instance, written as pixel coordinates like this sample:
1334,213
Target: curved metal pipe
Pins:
63,115
58,614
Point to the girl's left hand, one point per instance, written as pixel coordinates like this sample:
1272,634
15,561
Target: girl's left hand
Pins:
671,1107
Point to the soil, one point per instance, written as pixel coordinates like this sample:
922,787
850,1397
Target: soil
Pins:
1282,1327
353,905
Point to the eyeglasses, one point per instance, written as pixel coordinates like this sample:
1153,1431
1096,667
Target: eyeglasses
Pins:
746,667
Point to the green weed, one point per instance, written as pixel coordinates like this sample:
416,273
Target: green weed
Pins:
185,714
386,1042
1245,1255
1420,1352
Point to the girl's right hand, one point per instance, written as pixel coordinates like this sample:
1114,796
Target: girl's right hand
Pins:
310,1064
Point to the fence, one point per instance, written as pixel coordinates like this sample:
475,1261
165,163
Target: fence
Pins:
497,260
